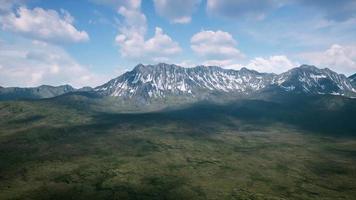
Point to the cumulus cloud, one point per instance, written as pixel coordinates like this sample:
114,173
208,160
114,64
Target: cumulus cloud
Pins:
133,44
135,21
176,11
158,48
7,5
276,64
41,24
254,9
32,63
340,58
333,10
273,64
217,47
161,41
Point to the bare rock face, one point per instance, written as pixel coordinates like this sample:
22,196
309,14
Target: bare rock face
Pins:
163,80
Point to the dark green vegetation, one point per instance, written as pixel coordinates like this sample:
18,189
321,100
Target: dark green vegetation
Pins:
285,148
43,91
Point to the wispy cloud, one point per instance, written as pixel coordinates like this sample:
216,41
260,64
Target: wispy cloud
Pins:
239,9
31,63
176,11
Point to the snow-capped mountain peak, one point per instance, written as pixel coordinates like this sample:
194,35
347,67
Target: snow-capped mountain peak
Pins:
312,80
162,80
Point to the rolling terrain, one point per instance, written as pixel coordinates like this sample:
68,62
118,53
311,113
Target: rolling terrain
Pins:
291,147
161,132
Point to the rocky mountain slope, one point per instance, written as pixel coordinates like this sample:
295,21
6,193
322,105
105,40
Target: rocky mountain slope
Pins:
162,80
312,80
352,79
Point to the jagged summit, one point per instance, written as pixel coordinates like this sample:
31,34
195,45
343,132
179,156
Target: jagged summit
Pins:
162,80
312,80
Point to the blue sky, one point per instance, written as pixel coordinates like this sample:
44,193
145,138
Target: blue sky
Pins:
88,42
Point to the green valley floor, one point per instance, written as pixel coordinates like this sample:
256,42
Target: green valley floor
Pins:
50,151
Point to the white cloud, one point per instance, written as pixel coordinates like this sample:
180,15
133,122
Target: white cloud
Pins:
132,43
158,48
228,63
131,4
276,64
6,5
340,58
161,41
134,22
187,63
257,9
176,11
217,47
273,64
331,9
48,25
254,9
32,63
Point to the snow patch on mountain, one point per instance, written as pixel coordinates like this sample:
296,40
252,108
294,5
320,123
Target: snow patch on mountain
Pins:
162,80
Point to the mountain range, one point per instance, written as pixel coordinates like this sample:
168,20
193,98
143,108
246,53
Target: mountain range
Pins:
41,92
146,83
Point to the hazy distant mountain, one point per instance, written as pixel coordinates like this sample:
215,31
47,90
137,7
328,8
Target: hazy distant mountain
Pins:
162,80
44,91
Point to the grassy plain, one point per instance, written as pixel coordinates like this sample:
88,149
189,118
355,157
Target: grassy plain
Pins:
52,151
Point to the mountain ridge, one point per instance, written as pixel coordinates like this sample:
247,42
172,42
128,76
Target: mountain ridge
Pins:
40,92
161,81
